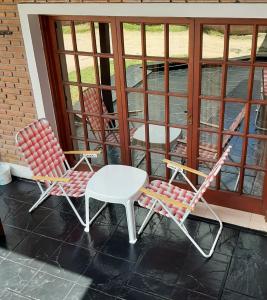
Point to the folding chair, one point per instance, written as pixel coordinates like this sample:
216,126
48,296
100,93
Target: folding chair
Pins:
176,203
50,168
92,107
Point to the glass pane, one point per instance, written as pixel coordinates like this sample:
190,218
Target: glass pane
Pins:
106,71
234,115
87,69
138,159
208,145
210,113
112,134
253,182
113,155
213,41
206,167
99,160
154,40
158,168
83,36
178,110
135,105
259,84
109,102
79,144
240,42
68,68
229,178
211,80
179,144
155,79
258,119
237,143
137,134
178,77
72,97
132,38
180,160
134,73
261,54
76,126
103,37
94,126
178,41
237,82
257,153
64,37
156,108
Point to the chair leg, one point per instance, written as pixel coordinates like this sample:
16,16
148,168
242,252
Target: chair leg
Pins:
147,218
39,201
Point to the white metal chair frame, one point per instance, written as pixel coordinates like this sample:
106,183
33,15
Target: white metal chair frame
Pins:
163,200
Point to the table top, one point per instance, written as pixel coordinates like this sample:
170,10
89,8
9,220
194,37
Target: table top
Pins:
116,183
157,134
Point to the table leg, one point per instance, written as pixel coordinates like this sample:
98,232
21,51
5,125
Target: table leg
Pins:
129,206
87,224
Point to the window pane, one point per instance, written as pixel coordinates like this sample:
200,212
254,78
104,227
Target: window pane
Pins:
213,41
155,79
240,42
178,77
135,105
229,178
132,38
178,110
156,108
83,36
256,152
208,145
99,160
137,134
103,37
237,82
113,155
154,40
158,168
258,119
87,69
68,68
178,41
134,73
72,97
76,126
179,146
261,54
236,142
106,71
234,116
64,37
253,182
211,80
260,84
138,159
210,113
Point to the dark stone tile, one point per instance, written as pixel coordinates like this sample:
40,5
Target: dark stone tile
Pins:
248,276
107,273
204,275
118,245
95,238
150,285
13,236
180,293
79,292
8,206
47,287
57,225
11,295
14,276
133,294
111,215
229,295
162,261
206,234
68,262
34,250
21,217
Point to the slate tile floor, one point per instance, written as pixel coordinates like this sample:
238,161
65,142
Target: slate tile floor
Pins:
47,255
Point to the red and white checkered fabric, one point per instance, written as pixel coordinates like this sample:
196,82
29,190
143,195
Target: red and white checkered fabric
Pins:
169,190
114,137
41,149
76,186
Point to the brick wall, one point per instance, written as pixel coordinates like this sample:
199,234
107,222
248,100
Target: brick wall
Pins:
16,100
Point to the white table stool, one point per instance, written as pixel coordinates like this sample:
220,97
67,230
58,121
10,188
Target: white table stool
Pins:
117,184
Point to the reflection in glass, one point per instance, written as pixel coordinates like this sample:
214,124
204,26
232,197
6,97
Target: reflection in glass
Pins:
106,71
72,97
158,168
99,160
205,167
259,90
156,108
213,41
64,37
113,155
68,68
240,42
94,126
237,143
87,69
155,79
103,37
256,152
137,134
154,40
211,80
253,182
229,178
135,105
237,82
209,114
76,126
258,119
134,73
177,111
132,39
83,36
208,145
178,77
261,54
179,146
138,159
234,115
178,41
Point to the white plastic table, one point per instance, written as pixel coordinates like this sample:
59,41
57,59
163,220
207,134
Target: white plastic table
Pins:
117,184
157,135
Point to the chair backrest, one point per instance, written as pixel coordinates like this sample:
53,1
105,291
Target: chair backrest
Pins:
41,149
213,173
92,106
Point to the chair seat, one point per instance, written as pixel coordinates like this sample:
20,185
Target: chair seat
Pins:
76,186
114,137
169,190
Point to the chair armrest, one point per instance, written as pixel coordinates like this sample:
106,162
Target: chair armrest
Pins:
177,165
54,179
85,152
165,199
